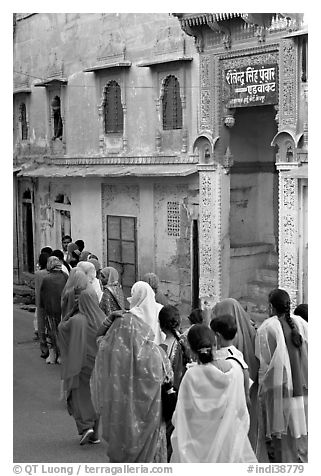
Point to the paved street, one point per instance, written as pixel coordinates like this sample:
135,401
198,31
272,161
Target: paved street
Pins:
43,431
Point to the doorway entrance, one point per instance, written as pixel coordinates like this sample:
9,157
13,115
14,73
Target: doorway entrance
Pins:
122,249
27,233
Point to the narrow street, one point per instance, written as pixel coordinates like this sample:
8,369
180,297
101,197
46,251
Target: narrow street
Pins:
43,431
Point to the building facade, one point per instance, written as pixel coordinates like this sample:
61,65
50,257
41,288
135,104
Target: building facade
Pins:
132,133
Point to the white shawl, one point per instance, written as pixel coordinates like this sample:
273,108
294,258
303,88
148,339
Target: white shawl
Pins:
211,419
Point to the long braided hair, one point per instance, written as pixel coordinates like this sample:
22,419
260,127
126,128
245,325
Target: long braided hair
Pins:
280,300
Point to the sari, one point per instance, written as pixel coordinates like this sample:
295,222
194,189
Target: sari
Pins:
77,282
50,297
126,390
211,419
113,297
282,392
143,305
77,340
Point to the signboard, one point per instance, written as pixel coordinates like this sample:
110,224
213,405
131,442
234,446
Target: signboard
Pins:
251,86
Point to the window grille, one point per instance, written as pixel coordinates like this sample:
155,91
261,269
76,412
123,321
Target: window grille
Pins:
172,105
23,120
113,109
173,219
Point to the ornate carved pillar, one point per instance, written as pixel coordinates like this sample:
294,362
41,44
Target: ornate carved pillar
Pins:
288,187
288,235
214,219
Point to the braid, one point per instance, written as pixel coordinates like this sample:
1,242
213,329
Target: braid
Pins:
280,300
295,335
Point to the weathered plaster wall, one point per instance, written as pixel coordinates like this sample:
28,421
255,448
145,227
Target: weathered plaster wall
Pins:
72,42
173,253
86,214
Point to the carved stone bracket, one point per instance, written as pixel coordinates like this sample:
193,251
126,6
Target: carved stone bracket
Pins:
227,161
223,30
196,33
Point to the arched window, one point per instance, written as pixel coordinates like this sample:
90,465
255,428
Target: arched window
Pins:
23,120
172,105
57,120
113,109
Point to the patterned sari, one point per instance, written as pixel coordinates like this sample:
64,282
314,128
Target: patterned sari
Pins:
126,392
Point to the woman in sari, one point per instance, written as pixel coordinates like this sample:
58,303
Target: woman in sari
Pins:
126,390
244,341
113,296
50,297
143,304
211,419
282,349
77,339
90,270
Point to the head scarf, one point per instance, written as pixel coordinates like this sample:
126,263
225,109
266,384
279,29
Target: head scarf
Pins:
152,279
84,255
53,264
245,337
77,282
73,248
96,263
88,268
77,339
143,305
110,274
126,390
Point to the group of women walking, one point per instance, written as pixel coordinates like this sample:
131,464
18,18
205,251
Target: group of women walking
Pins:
240,392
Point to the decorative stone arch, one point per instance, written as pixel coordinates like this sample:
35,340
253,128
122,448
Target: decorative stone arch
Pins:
205,144
162,95
105,145
287,143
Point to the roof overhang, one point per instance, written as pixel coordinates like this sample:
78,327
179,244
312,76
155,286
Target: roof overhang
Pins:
165,170
155,62
21,91
51,81
99,67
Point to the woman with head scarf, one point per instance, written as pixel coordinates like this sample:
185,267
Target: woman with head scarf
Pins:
244,341
77,340
211,420
50,301
245,336
113,296
153,280
282,349
143,304
90,270
77,282
84,255
126,390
